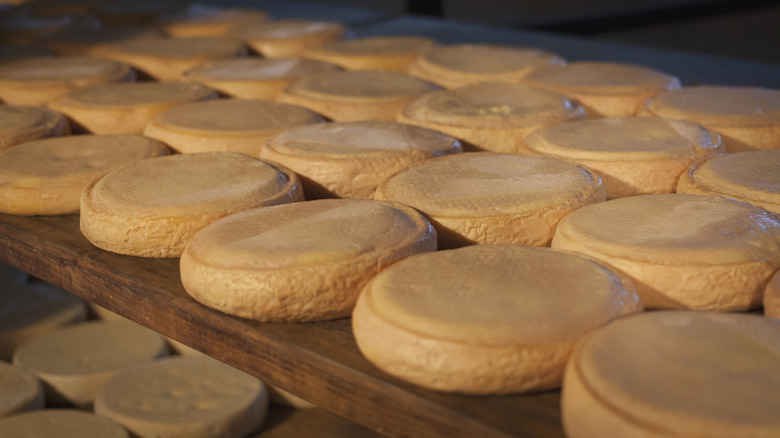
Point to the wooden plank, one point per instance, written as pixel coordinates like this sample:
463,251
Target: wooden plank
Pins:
318,361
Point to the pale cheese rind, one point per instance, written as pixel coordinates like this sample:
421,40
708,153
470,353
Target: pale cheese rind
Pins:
153,207
772,297
62,423
494,198
76,361
681,250
19,124
19,391
286,38
185,396
390,53
299,262
350,159
664,374
488,318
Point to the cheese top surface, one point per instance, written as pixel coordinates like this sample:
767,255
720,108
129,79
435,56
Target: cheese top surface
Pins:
285,29
90,348
73,160
136,94
17,388
603,76
492,105
189,184
258,69
181,389
349,139
675,229
173,48
624,138
62,423
304,233
488,59
719,105
682,369
490,184
377,46
234,117
19,119
751,175
23,306
77,70
500,295
360,85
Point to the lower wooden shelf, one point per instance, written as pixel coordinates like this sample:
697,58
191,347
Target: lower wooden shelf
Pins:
319,362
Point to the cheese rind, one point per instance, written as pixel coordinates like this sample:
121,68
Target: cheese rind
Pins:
62,423
19,391
76,361
46,177
490,116
299,262
752,177
20,124
486,319
664,374
200,20
237,125
454,66
151,208
185,396
772,297
350,159
356,95
38,81
610,89
494,198
391,53
125,108
632,155
681,250
748,118
286,38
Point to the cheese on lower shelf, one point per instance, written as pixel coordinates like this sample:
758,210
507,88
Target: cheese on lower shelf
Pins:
681,373
74,362
19,391
486,319
286,38
389,53
19,124
681,250
184,396
62,423
153,207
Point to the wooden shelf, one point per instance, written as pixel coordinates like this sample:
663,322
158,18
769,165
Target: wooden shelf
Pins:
319,361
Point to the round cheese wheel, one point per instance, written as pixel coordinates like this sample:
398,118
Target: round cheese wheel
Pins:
152,207
609,89
20,124
748,118
199,20
28,311
238,125
46,177
393,53
490,116
675,373
286,38
184,396
752,177
76,361
253,77
125,108
85,41
350,159
62,423
772,297
19,391
632,155
681,250
356,95
304,261
457,65
486,319
493,198
38,81
166,59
